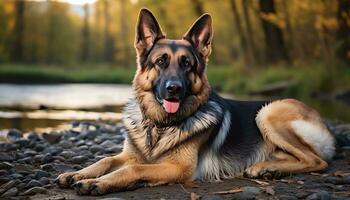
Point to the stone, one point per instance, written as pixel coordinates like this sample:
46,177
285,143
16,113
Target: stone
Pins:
287,197
30,153
6,165
107,144
96,148
10,193
211,197
47,158
63,167
23,168
35,190
33,183
52,137
334,180
67,154
16,176
114,149
80,143
79,159
25,160
8,185
22,142
33,137
39,147
40,174
6,157
5,146
47,167
3,172
65,144
13,135
44,180
323,195
38,158
248,192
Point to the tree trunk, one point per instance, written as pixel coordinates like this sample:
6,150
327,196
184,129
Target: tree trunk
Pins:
198,7
275,49
250,42
343,34
85,48
17,45
109,48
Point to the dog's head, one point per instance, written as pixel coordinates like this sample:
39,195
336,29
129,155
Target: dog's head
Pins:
170,80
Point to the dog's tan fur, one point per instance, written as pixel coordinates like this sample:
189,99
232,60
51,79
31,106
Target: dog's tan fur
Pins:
174,159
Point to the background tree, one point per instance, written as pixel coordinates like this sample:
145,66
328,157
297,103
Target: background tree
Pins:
274,44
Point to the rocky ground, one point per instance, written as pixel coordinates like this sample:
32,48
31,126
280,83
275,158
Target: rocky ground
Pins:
29,163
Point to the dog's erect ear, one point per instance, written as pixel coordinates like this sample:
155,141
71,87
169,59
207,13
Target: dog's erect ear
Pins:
200,35
148,31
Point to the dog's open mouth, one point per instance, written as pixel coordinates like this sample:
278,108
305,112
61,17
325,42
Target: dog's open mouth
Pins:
171,105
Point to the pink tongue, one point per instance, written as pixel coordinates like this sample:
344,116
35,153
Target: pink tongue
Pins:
171,107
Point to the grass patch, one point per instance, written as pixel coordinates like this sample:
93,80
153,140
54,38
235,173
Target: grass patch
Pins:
54,74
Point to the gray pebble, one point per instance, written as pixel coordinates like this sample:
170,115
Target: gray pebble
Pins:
8,185
62,167
66,144
107,144
248,192
35,190
47,167
30,153
22,142
25,160
33,137
287,197
79,159
44,180
334,180
40,173
96,148
39,147
67,154
323,195
33,183
13,135
47,158
38,158
6,157
211,197
10,193
3,172
52,137
16,176
6,165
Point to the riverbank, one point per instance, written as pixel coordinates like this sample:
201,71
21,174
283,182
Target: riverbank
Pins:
296,81
29,163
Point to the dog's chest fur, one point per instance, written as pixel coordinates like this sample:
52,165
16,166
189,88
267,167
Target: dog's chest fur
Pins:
152,142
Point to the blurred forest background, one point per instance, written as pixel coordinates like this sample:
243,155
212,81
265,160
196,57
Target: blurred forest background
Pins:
297,47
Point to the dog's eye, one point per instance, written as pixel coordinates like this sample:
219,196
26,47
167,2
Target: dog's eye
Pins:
160,62
187,63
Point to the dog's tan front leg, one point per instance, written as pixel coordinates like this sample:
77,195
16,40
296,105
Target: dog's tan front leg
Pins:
97,169
132,175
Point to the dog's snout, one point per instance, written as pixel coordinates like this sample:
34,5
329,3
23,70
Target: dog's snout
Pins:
173,87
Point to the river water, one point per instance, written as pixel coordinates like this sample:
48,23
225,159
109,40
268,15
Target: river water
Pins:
44,107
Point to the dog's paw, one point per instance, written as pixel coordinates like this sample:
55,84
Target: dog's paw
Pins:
92,187
267,174
68,179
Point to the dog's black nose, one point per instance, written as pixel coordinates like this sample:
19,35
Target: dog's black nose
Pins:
173,87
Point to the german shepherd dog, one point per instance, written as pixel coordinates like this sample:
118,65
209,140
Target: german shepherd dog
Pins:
180,130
